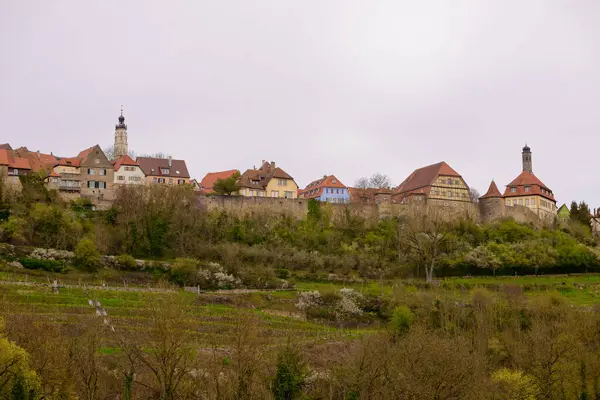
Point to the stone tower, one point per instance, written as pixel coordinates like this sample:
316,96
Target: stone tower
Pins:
527,164
121,147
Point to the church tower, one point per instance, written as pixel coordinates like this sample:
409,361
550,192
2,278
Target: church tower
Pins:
527,164
121,147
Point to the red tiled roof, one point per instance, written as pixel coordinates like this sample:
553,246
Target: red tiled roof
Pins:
315,188
5,146
5,157
84,153
124,160
492,192
54,173
209,179
153,167
69,162
423,178
20,163
37,161
526,178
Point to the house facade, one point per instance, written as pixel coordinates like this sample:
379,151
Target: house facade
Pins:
268,181
11,167
529,191
128,172
97,173
69,172
164,171
327,189
563,213
437,183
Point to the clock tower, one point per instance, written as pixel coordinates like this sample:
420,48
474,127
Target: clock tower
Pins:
121,147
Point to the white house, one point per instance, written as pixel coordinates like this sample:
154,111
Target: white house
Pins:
128,172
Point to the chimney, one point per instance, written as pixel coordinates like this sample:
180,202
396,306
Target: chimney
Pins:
38,154
170,161
272,164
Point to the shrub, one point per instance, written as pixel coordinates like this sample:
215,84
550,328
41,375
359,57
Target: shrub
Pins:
282,273
402,318
86,255
184,271
126,261
290,374
46,265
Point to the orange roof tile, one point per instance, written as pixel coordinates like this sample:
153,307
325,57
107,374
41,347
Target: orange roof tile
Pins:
209,179
5,157
424,177
69,162
528,179
493,192
316,187
124,160
20,163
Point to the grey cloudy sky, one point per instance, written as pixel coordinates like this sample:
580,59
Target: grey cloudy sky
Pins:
343,87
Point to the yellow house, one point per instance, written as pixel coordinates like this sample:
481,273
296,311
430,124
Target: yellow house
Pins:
268,181
166,171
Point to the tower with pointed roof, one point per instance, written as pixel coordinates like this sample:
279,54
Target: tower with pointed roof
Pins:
121,147
491,204
527,163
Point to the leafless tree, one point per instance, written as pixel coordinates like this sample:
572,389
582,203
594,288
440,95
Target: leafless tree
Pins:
376,181
425,238
475,195
110,153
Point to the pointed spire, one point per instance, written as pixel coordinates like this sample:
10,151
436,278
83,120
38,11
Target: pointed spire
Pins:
492,192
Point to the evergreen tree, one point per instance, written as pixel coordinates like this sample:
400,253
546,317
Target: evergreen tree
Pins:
290,374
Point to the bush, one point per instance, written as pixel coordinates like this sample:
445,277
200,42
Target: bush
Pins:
402,318
86,255
46,265
184,271
290,374
125,261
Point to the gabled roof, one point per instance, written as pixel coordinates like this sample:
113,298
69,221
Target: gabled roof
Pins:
124,160
209,179
84,153
262,176
154,166
10,159
5,146
424,177
493,192
37,161
524,179
316,187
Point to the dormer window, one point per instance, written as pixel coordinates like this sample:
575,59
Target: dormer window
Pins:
164,171
177,172
333,181
513,190
528,189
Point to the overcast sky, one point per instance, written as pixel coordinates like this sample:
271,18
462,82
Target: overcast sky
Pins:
320,87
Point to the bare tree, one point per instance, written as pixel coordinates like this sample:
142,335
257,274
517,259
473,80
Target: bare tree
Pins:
475,195
110,153
426,238
159,154
376,181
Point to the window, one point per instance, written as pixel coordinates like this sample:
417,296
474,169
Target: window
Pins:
337,191
274,193
526,202
170,181
527,189
449,194
164,171
122,178
508,203
333,181
533,202
180,181
97,161
132,178
457,182
282,182
91,171
102,172
520,202
513,190
155,180
161,180
514,202
288,195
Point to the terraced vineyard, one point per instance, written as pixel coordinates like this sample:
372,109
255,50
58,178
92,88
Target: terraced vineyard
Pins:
209,319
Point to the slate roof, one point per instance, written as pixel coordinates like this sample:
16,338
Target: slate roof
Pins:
153,167
209,179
